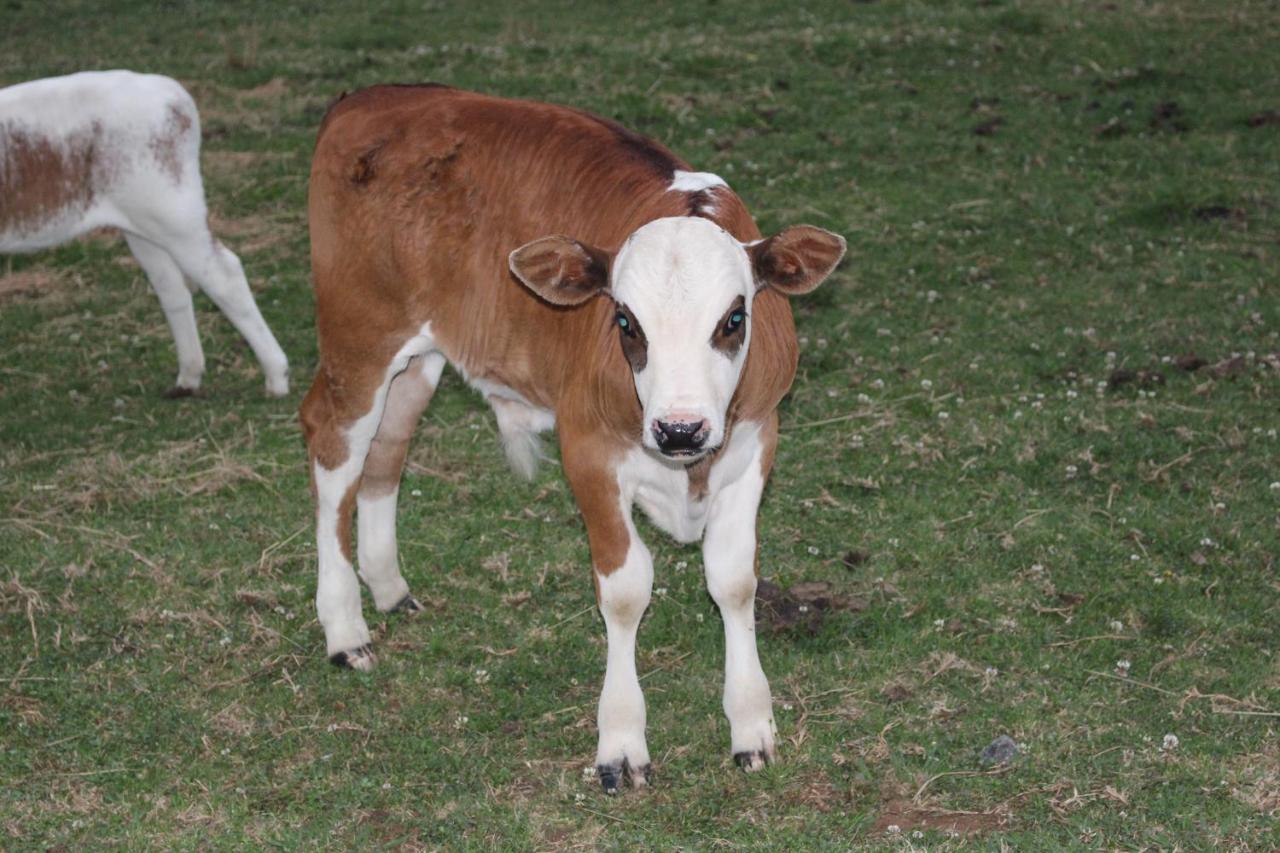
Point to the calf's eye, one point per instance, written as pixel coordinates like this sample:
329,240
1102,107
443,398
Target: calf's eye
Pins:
734,321
623,323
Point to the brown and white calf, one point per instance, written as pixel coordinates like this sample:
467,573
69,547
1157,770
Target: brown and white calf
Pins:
122,150
579,276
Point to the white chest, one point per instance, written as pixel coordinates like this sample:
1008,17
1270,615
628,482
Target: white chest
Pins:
672,499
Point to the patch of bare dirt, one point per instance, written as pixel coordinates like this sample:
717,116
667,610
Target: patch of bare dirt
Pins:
1264,118
36,283
903,816
803,607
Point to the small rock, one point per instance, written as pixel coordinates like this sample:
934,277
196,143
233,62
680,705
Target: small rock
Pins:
1000,751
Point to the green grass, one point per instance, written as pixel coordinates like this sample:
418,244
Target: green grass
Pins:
1026,524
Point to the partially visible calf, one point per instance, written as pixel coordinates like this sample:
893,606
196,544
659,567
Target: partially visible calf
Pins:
122,150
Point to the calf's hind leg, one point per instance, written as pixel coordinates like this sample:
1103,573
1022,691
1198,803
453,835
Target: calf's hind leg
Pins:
378,553
166,280
217,271
341,417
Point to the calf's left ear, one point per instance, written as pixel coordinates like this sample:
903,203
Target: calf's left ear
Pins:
795,260
561,270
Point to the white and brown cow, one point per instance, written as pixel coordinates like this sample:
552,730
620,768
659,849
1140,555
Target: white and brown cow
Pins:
652,330
121,150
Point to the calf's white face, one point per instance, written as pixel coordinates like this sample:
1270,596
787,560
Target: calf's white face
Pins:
682,290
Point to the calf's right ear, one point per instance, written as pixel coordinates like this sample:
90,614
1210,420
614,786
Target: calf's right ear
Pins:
561,270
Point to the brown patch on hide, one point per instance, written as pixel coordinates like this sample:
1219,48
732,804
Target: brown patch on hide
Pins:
42,177
166,144
590,466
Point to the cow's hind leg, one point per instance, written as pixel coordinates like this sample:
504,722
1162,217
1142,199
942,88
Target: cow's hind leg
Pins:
407,397
175,298
217,271
341,417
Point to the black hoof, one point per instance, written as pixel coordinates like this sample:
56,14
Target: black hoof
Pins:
177,392
614,776
360,659
409,605
751,761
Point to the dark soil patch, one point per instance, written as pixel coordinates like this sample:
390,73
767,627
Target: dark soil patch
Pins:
1189,362
1265,118
1210,212
802,608
1168,116
853,559
1124,376
988,128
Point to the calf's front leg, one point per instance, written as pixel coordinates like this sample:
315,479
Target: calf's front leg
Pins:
622,754
729,554
622,569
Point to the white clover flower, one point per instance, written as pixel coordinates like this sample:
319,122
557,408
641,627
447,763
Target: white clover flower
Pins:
942,416
1207,542
417,493
1275,487
1116,626
662,590
939,624
893,829
482,676
1122,668
1072,471
926,384
991,672
813,550
877,383
1170,742
863,398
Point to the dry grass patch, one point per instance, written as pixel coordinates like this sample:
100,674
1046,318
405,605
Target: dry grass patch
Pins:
37,284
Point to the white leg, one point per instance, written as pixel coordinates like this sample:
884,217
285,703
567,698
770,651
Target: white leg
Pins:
168,284
376,504
624,595
337,590
729,551
217,271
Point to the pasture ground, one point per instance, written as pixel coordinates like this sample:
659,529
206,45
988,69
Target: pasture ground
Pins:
1029,481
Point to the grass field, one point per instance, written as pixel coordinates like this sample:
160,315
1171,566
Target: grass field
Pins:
1028,484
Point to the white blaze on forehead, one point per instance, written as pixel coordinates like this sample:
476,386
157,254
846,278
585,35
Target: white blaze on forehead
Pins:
692,182
684,258
679,276
700,183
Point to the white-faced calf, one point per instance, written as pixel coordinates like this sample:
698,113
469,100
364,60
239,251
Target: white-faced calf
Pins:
122,150
577,275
